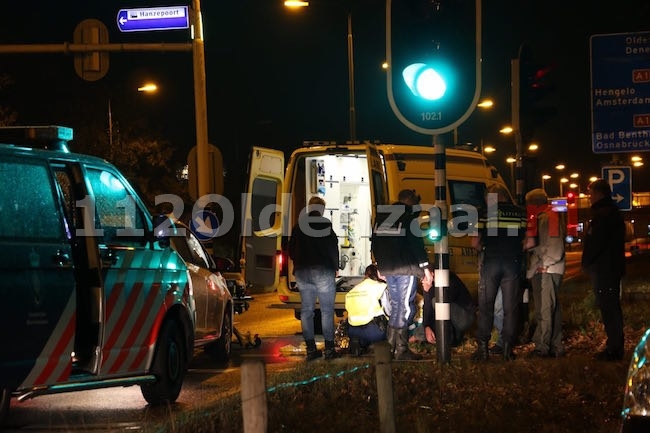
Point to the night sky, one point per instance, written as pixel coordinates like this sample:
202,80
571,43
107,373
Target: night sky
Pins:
276,78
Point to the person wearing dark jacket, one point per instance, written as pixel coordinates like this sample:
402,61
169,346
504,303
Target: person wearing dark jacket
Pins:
462,310
603,259
401,258
313,247
500,242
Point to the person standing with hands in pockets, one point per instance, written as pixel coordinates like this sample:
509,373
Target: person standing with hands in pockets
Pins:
314,249
603,259
398,248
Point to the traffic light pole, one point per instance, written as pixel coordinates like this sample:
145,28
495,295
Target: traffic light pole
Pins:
442,306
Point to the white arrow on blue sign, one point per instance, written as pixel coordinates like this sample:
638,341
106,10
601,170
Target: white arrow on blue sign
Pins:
146,19
620,181
205,225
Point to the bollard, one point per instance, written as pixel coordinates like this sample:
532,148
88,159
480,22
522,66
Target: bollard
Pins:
253,397
384,376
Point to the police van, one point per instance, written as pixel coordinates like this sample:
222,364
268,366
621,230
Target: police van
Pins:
91,297
353,179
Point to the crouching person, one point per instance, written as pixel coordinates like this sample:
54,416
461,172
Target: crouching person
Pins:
368,306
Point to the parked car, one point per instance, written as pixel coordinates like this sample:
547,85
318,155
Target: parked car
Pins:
636,400
214,301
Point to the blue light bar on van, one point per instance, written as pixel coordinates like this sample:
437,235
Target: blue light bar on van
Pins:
50,137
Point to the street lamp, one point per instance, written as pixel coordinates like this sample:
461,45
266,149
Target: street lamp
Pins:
563,180
545,177
146,88
294,4
512,160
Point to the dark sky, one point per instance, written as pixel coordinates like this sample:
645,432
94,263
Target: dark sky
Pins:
275,78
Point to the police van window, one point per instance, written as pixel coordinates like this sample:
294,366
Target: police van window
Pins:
470,193
28,208
117,213
265,193
465,198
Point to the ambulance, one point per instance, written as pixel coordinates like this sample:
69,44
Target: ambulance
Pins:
92,294
353,179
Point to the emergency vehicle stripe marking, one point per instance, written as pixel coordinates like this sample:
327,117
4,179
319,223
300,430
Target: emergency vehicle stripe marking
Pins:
119,327
148,344
57,349
138,326
62,351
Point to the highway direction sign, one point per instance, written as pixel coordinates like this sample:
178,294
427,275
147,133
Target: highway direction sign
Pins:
620,92
620,180
146,19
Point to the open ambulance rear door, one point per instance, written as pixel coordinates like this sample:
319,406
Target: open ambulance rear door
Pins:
263,219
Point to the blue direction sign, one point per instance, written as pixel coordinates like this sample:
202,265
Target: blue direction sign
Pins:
620,180
620,92
146,19
205,225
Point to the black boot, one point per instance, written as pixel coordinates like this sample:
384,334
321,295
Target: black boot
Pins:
402,351
330,350
482,353
312,352
355,346
508,354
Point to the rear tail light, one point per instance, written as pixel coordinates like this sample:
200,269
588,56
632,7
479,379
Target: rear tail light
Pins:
283,262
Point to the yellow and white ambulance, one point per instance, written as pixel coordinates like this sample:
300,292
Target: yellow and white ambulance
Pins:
353,179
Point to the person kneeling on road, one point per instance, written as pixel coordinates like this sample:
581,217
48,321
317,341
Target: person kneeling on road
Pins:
368,306
462,310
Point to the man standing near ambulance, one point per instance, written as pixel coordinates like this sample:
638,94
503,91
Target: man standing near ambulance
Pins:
402,260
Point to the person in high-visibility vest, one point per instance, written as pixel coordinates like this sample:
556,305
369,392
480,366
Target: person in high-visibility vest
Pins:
368,307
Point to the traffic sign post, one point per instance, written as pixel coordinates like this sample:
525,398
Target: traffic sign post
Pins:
205,225
620,91
620,181
147,19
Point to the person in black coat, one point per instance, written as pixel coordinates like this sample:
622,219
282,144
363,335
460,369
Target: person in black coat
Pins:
603,259
313,247
462,310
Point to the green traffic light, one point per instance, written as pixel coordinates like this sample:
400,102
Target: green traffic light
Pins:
424,81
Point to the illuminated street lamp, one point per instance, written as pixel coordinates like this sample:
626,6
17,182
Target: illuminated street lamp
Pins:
147,88
488,148
563,180
545,177
295,4
512,160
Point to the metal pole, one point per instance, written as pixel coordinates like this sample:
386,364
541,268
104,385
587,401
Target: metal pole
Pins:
441,266
516,126
353,121
110,130
200,104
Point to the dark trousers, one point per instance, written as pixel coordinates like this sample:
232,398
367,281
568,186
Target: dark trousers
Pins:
498,272
608,301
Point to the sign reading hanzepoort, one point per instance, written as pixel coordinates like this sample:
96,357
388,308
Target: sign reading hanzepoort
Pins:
620,92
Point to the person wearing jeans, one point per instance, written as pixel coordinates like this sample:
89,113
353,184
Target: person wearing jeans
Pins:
313,247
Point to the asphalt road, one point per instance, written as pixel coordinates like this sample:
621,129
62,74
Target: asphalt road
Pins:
124,409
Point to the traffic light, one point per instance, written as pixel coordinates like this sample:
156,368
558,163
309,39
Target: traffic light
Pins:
424,81
536,83
572,215
433,57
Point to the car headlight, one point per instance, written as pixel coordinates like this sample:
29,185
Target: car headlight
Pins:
636,401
